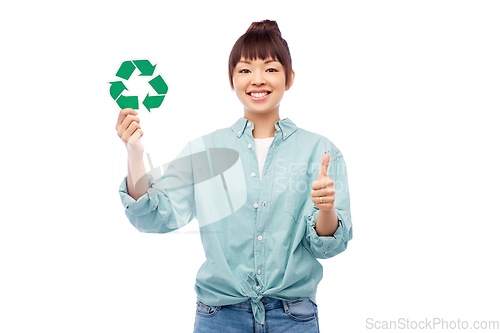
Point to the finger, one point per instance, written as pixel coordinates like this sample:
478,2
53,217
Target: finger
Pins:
123,113
125,129
135,136
325,200
129,119
130,130
324,192
324,166
317,184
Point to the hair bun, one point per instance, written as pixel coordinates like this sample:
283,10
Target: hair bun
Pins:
265,25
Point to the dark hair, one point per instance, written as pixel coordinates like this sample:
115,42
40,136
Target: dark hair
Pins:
262,40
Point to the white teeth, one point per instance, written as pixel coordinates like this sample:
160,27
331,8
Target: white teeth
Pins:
258,94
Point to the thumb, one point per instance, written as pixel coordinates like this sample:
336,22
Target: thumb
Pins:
324,166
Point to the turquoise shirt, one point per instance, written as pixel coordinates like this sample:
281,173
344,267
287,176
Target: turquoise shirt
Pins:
259,236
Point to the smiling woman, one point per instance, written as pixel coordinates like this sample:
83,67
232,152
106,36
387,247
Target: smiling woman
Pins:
265,221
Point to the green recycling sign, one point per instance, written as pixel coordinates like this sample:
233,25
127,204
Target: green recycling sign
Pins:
145,68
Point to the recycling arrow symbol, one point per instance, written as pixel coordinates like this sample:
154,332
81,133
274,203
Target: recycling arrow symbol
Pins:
125,71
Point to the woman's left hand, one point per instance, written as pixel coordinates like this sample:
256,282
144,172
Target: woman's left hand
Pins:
323,187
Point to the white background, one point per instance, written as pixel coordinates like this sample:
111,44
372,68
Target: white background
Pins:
407,90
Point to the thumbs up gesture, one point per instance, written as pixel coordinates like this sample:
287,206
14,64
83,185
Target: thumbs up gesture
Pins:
323,192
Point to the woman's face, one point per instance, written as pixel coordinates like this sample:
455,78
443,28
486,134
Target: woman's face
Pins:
260,84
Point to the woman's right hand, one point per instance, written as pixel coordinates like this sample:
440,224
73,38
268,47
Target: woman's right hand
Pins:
129,130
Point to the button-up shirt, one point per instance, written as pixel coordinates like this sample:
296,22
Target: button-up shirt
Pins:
259,236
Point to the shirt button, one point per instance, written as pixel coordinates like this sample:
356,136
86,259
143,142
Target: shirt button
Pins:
256,205
258,271
239,132
264,204
249,145
285,134
273,146
248,124
252,174
260,237
267,174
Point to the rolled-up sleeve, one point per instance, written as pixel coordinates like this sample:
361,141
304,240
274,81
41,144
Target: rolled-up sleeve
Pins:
325,247
169,202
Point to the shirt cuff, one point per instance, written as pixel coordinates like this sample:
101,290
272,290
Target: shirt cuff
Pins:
323,244
145,204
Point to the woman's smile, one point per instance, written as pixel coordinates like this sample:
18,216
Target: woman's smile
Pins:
258,95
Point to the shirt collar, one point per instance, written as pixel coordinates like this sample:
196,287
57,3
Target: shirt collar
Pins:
286,126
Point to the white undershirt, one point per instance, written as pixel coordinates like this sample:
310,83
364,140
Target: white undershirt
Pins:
261,149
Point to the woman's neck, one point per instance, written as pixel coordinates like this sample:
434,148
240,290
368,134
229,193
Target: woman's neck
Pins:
263,124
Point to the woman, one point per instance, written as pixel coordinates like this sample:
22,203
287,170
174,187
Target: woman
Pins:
270,199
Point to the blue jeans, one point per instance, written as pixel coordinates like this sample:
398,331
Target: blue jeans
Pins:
281,316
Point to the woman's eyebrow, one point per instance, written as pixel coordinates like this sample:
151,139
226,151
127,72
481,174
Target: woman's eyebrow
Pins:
265,62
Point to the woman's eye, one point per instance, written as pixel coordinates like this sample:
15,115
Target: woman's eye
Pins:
244,71
272,69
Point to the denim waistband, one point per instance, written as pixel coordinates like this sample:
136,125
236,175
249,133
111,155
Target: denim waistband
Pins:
269,302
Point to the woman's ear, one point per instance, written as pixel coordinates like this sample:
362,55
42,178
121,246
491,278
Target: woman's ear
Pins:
291,80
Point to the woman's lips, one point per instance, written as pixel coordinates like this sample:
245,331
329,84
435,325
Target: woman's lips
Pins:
256,99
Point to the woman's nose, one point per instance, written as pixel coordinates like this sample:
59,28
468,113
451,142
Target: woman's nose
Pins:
258,79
